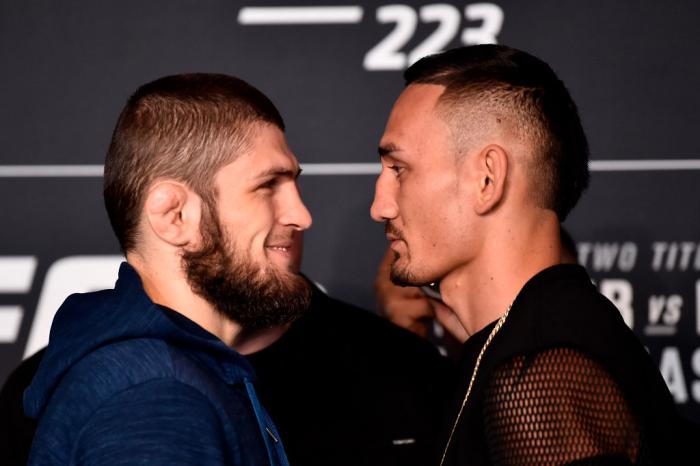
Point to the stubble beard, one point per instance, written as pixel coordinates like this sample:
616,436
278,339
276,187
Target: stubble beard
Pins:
241,290
402,276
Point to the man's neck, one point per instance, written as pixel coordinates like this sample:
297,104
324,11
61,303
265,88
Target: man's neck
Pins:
248,342
165,284
481,291
171,290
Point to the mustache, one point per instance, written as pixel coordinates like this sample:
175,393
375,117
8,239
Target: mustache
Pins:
390,229
285,237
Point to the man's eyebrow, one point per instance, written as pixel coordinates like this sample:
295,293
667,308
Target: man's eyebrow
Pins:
387,149
281,172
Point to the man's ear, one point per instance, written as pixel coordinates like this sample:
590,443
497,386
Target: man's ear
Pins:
492,170
173,211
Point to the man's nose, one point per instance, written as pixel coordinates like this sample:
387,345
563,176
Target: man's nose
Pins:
384,205
296,214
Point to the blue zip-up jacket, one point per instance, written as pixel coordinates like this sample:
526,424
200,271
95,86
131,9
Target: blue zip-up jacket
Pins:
126,381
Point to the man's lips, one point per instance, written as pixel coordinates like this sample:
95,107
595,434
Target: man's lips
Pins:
280,247
392,233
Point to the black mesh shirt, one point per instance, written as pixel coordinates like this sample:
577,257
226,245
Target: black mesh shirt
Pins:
564,382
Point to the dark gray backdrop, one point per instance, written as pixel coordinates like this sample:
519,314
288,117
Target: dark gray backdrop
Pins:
67,68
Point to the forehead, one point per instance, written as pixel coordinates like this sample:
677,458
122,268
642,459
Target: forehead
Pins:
418,97
415,105
268,152
414,121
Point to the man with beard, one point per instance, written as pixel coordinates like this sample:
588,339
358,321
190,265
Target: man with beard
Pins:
482,157
344,387
200,188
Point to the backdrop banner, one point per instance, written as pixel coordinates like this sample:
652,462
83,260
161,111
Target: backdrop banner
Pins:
334,69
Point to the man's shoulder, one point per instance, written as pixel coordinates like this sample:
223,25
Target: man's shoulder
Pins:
120,381
133,361
565,310
160,420
121,365
106,372
566,307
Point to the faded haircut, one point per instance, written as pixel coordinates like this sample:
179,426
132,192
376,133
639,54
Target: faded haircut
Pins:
185,128
505,83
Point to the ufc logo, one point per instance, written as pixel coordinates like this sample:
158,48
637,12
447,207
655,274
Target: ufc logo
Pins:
74,274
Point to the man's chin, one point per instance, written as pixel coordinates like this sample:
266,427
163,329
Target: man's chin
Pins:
403,276
285,281
275,298
282,274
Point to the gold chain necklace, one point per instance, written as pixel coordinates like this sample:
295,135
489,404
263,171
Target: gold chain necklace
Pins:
493,333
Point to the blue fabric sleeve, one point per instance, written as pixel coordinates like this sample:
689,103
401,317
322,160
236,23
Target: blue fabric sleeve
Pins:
158,422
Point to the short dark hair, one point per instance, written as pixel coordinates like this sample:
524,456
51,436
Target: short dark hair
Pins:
183,127
528,90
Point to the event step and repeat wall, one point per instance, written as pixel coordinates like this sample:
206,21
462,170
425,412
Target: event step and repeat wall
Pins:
334,69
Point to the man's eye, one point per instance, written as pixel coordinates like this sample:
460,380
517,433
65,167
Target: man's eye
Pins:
396,169
268,184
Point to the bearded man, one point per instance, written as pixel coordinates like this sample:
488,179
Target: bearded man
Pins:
200,188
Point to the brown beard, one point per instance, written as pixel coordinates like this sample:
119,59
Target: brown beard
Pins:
242,291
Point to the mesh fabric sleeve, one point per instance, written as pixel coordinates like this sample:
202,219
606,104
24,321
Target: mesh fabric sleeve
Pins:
558,407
